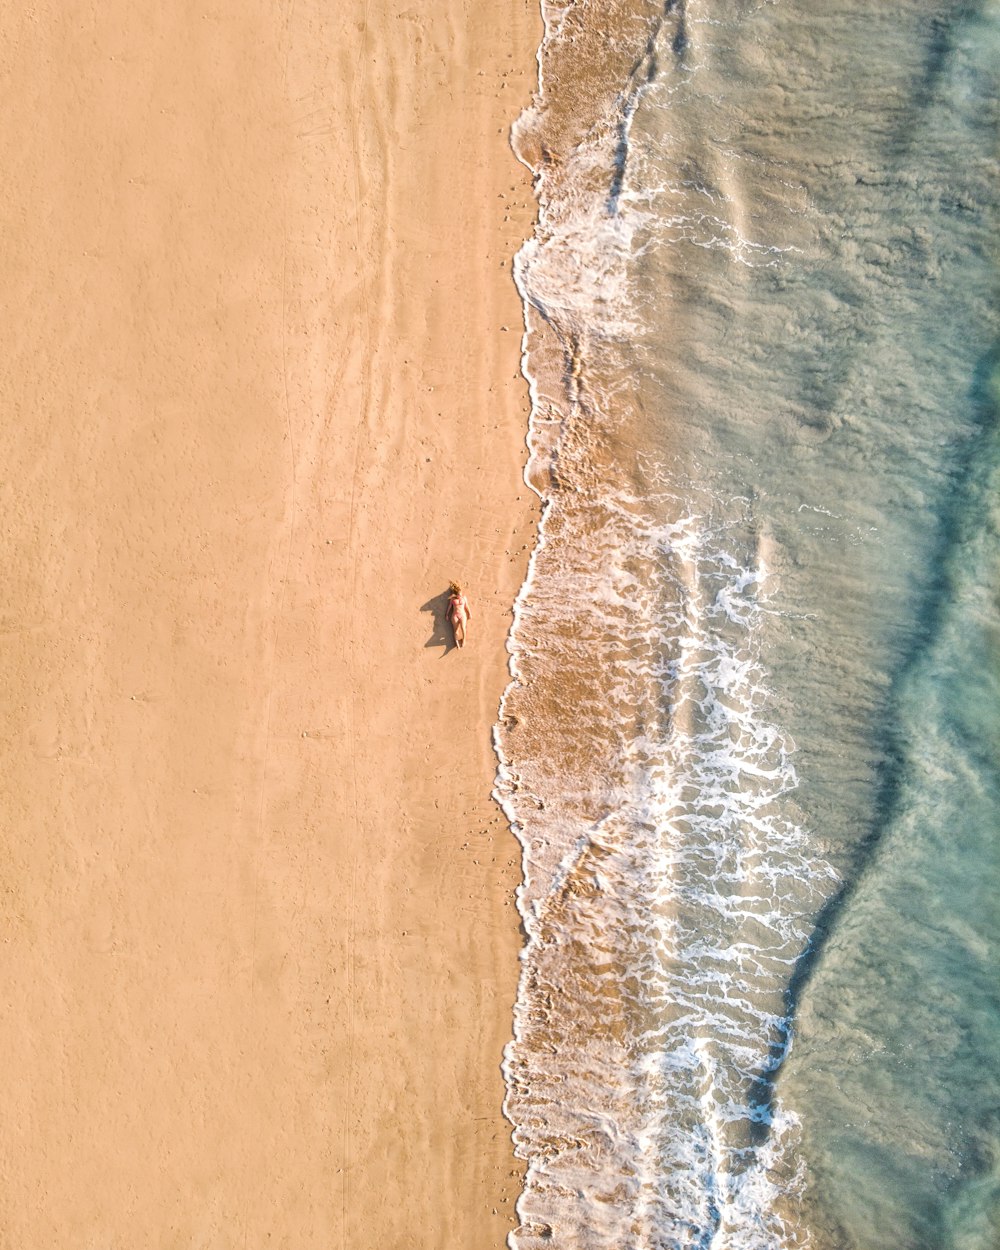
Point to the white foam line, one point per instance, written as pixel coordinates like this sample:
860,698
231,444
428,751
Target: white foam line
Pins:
712,1192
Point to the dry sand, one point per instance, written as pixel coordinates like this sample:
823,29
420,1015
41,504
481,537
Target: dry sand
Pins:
258,942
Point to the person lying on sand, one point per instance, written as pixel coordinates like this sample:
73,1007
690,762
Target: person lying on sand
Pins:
458,613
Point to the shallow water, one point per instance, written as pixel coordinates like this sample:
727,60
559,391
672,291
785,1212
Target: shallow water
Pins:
750,744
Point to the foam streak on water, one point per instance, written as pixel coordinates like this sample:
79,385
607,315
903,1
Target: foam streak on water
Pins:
666,902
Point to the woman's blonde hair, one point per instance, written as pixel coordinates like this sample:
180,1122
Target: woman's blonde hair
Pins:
455,588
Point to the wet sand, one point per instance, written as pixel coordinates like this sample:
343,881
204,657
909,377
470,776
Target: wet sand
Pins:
262,401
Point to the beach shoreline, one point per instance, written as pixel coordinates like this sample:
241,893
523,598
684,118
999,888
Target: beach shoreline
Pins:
264,344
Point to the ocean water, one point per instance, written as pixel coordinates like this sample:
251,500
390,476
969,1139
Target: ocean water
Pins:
751,744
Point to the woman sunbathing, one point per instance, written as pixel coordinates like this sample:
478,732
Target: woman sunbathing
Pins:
458,613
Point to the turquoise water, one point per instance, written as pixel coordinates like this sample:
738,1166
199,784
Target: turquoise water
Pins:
750,747
897,1062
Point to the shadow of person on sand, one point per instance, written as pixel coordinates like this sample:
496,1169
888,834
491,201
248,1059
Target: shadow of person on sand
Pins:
441,633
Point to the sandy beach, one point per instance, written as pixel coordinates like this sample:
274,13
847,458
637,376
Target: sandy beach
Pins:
263,400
